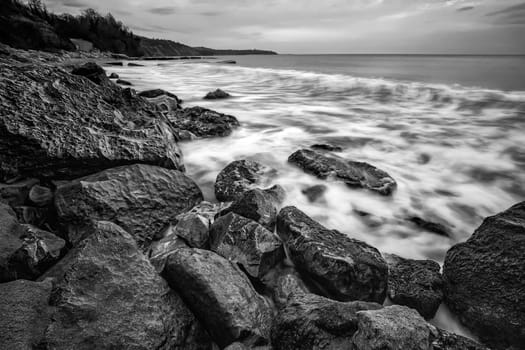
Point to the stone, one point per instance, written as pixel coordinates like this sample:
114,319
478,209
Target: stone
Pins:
36,216
203,122
287,283
41,196
430,226
347,269
415,283
310,321
115,63
25,314
113,76
159,251
485,279
69,127
132,64
106,295
220,296
194,229
142,199
247,243
240,176
326,147
353,174
314,193
444,340
153,93
124,82
16,194
93,72
217,94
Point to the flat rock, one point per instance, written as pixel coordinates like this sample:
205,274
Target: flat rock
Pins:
347,269
153,93
485,279
415,283
203,122
217,94
106,295
247,243
221,297
353,174
313,322
142,199
240,176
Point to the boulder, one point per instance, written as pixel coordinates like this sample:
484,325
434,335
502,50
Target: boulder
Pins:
393,328
159,251
314,193
204,122
310,321
154,93
326,147
415,283
240,176
353,174
285,284
124,82
25,314
247,243
194,229
347,269
142,199
217,94
485,279
69,127
41,196
114,76
221,297
16,194
93,72
444,340
106,295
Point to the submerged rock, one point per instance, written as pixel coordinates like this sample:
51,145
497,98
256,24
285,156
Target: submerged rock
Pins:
347,269
430,226
314,193
415,283
353,174
485,279
221,297
203,122
142,199
217,94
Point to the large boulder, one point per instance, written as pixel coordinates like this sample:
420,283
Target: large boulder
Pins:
204,122
240,176
221,297
106,295
142,199
485,279
25,314
247,243
93,72
58,125
347,269
353,174
314,322
415,283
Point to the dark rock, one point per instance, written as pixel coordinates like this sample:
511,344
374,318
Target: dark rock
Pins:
326,147
433,227
347,269
142,199
71,127
16,194
106,295
485,279
119,56
353,174
247,243
123,82
39,217
393,328
221,297
131,64
217,94
159,251
240,176
228,62
314,193
157,93
93,72
444,340
415,283
114,76
115,63
41,196
193,229
287,284
203,122
25,314
313,322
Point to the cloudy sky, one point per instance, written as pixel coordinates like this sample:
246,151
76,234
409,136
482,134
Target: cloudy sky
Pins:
324,26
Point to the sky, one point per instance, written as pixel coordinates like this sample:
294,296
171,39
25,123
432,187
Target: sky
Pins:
324,26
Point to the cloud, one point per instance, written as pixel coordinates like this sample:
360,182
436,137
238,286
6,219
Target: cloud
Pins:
210,13
512,15
465,8
164,11
507,10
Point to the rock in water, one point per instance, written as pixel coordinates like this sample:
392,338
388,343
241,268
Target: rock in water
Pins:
326,147
217,94
247,243
142,199
25,314
154,93
93,72
113,76
347,269
57,125
204,122
240,176
314,193
314,322
221,297
415,283
353,174
106,295
485,279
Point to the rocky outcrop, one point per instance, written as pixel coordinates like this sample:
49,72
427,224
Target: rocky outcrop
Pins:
485,279
240,176
57,125
314,322
217,94
142,199
247,243
353,174
347,269
203,122
221,297
415,283
106,295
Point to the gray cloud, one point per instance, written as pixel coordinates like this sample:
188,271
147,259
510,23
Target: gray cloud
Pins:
507,10
512,15
167,10
210,13
465,8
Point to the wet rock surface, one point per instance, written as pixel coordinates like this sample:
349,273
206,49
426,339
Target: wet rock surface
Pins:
353,174
326,147
142,199
286,284
347,269
203,122
485,279
217,94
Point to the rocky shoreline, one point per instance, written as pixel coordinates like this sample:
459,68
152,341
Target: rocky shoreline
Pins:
107,244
